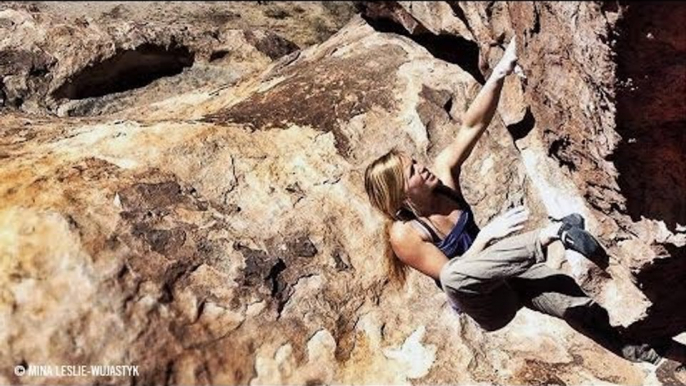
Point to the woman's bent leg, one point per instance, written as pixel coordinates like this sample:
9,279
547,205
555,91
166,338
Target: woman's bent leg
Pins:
486,270
477,283
551,292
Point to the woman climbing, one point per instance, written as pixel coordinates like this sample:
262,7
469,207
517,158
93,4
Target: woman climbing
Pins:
488,274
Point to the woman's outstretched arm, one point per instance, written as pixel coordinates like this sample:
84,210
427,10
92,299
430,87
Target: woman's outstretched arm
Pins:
478,116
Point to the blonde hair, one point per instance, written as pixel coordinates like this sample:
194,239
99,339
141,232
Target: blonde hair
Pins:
384,182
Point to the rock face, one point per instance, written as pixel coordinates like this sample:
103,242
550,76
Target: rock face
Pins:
220,233
94,58
579,109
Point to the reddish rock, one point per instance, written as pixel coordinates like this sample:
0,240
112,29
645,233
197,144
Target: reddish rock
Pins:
220,234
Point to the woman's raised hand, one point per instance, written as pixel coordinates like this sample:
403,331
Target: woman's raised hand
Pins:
508,63
506,224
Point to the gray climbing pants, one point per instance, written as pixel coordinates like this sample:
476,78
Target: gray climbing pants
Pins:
491,286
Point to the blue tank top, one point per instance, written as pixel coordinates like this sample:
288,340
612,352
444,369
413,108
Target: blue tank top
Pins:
463,234
460,237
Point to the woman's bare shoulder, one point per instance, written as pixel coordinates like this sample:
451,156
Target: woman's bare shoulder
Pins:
402,233
412,249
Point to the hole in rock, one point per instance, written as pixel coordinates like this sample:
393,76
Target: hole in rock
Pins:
216,55
126,70
650,159
273,277
522,128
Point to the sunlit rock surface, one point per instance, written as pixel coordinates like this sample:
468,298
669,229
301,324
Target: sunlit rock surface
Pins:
218,232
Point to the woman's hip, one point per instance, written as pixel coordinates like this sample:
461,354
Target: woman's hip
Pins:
491,311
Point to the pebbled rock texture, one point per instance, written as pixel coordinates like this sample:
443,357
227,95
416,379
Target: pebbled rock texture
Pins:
218,232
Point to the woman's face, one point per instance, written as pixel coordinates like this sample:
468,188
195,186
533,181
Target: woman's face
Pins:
419,179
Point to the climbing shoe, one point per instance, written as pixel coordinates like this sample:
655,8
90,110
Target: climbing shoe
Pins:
579,240
569,221
575,237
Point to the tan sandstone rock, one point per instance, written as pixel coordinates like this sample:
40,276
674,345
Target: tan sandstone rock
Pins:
222,235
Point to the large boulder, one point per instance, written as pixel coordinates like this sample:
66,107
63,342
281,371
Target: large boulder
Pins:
223,236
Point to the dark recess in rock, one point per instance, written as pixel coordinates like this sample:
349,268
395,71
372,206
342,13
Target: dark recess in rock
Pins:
522,128
451,48
274,274
557,151
659,281
257,265
650,112
650,157
126,70
216,55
